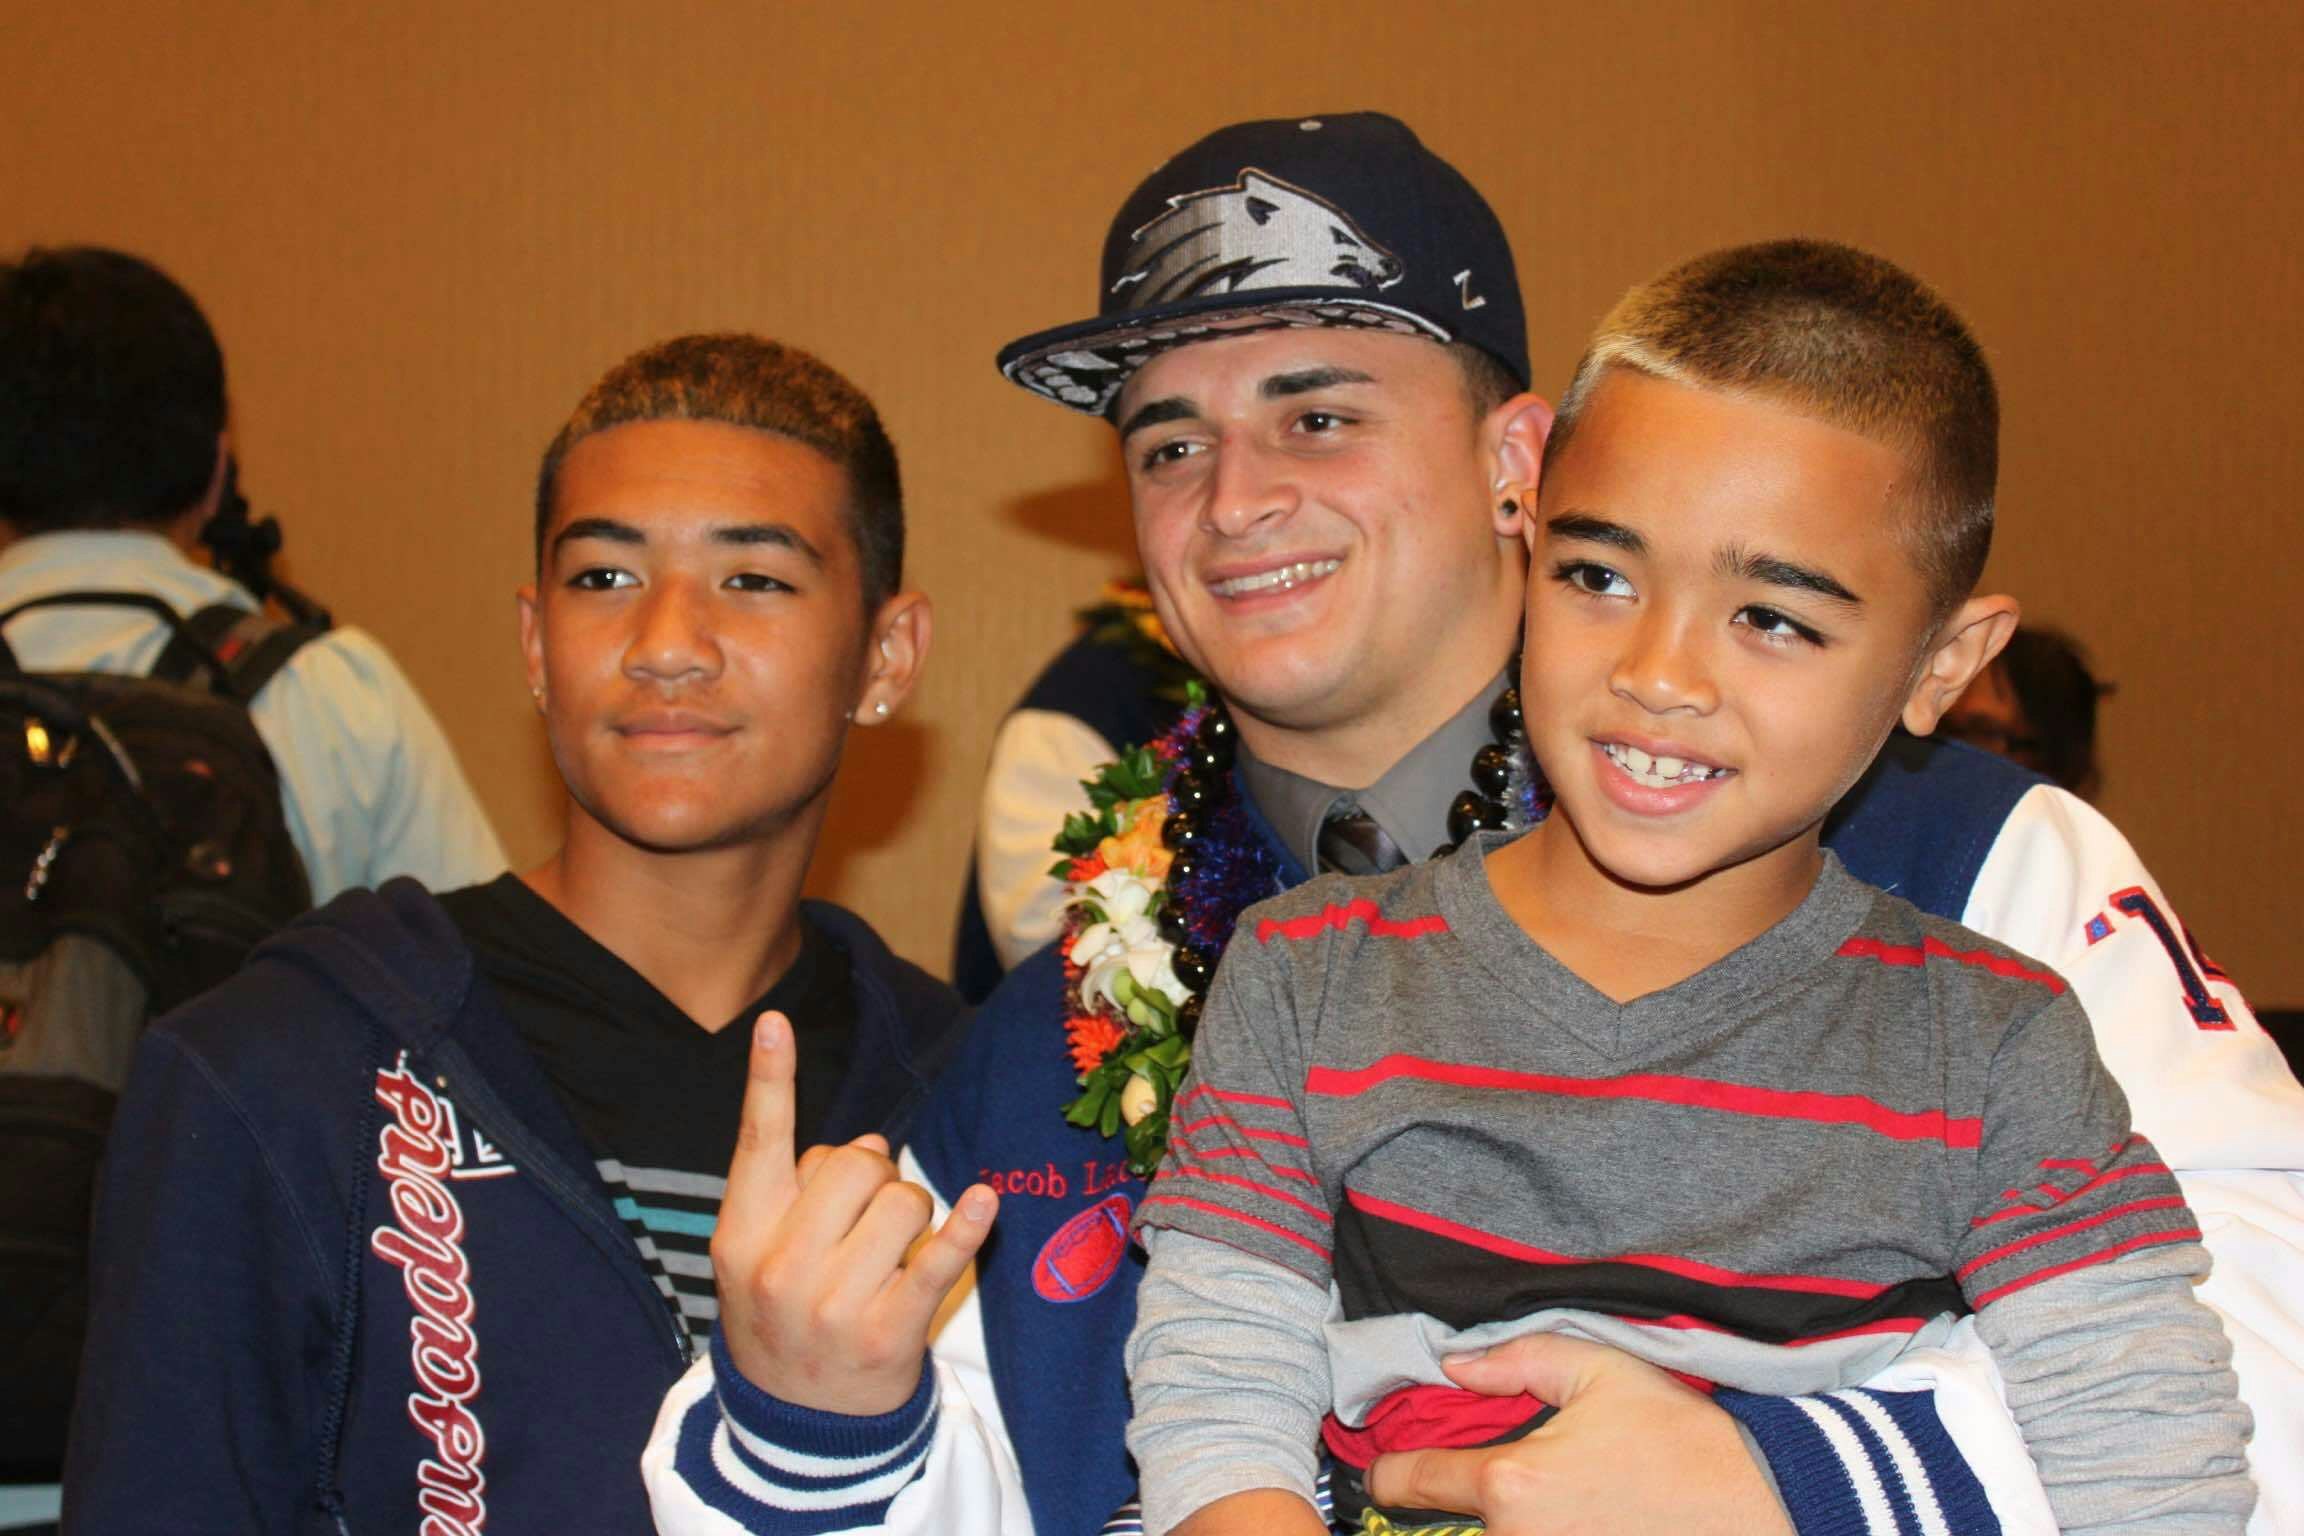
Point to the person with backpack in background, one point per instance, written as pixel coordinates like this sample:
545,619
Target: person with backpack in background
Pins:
180,771
115,444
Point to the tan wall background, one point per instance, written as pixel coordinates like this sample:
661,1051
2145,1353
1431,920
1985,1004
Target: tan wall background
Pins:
423,229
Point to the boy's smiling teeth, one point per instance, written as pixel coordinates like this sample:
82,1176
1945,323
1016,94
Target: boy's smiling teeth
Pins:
1280,576
1658,772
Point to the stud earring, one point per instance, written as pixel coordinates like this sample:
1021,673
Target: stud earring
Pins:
880,708
538,695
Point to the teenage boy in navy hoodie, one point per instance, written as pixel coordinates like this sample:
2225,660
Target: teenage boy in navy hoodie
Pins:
406,1227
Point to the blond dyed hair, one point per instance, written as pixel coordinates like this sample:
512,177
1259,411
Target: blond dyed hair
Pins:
1840,335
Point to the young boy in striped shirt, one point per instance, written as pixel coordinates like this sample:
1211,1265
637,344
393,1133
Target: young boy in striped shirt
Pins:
1659,1072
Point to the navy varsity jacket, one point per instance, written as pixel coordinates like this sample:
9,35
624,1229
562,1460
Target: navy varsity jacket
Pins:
354,1271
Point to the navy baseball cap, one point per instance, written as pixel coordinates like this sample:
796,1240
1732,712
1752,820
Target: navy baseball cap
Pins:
1344,220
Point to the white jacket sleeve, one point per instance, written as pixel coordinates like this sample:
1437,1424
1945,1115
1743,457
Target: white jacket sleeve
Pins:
1039,758
2203,1080
726,1458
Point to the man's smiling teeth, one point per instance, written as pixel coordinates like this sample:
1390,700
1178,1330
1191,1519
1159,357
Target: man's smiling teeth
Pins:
1281,577
1657,772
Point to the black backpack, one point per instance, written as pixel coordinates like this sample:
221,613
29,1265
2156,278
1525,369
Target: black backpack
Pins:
143,853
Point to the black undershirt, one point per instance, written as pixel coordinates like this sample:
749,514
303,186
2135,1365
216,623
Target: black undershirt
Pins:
656,1097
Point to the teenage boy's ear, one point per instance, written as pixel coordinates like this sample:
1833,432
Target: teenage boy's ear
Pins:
896,649
1965,644
1512,443
531,636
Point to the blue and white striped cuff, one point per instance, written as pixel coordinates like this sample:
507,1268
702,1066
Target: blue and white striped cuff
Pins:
1861,1462
742,1449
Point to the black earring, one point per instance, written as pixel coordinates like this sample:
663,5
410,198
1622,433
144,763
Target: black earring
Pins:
1510,507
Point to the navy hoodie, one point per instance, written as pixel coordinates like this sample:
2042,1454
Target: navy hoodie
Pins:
353,1269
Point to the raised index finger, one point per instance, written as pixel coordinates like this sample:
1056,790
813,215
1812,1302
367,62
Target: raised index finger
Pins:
760,1176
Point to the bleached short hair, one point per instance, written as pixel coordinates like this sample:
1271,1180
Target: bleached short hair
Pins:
1843,336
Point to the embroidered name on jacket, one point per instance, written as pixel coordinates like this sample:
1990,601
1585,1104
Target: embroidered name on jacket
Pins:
423,1238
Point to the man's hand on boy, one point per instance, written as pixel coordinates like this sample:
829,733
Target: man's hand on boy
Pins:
825,1300
1631,1450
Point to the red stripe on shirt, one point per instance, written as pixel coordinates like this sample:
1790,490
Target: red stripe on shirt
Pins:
1281,1169
1933,948
1694,1092
1182,1171
1699,1325
1686,1269
1285,1138
1267,1100
1227,1212
2157,1203
2183,1234
2060,1197
1184,1148
1341,915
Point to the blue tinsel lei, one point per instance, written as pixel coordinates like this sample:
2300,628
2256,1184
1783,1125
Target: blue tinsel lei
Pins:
1232,870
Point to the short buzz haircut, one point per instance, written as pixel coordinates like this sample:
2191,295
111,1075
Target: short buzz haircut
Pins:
1487,382
749,381
111,393
1840,335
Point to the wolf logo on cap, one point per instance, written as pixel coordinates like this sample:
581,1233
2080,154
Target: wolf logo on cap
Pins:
1259,232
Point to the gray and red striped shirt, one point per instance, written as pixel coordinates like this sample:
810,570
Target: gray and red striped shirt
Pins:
1776,1175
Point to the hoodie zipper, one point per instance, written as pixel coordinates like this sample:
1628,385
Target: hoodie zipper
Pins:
479,1101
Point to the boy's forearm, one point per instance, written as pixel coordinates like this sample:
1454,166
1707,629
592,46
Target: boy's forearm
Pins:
1258,1512
2123,1385
1229,1371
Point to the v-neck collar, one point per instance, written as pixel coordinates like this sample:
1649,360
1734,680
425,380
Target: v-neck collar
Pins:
1728,988
560,956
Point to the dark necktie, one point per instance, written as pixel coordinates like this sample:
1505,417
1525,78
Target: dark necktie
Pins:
1352,844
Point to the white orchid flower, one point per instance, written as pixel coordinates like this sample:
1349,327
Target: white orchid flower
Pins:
1154,969
1121,894
1090,944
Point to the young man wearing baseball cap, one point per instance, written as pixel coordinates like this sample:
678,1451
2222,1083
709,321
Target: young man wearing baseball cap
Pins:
1311,344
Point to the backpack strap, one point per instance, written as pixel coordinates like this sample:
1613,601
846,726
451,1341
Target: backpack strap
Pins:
251,646
181,635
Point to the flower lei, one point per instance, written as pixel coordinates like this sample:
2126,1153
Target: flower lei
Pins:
1157,873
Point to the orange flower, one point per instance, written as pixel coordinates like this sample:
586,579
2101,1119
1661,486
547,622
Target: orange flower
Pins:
1138,848
1093,1037
1085,869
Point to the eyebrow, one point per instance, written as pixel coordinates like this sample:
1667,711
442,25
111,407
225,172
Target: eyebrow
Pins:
1155,413
1280,386
777,535
1303,382
780,535
1595,530
1736,561
1772,571
605,528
